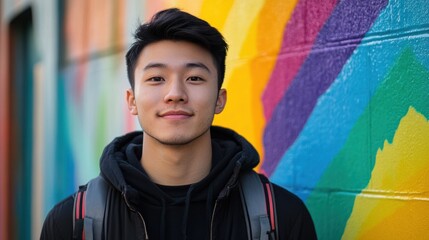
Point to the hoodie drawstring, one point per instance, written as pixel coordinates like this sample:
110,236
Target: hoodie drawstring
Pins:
186,213
163,214
209,204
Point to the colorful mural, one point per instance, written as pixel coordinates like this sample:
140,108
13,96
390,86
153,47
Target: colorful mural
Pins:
333,94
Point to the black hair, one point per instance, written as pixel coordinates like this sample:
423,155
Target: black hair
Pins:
174,24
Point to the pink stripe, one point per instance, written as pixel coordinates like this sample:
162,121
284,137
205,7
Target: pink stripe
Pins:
299,35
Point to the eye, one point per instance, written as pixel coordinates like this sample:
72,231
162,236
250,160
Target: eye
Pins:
155,79
194,79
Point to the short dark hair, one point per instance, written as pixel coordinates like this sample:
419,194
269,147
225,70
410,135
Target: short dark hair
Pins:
174,24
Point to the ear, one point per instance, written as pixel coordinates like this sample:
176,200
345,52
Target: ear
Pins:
131,100
221,101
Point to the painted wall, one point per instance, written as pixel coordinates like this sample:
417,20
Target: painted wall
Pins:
333,94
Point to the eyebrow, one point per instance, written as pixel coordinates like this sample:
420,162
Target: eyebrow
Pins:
188,65
198,65
154,65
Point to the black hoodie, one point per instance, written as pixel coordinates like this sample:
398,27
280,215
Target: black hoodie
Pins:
209,208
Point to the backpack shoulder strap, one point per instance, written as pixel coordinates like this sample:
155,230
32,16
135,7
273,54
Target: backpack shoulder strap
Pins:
258,205
271,206
79,213
90,210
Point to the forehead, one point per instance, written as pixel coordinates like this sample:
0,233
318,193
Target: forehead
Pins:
175,54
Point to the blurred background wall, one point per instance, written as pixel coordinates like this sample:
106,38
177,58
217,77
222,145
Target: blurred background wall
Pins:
334,94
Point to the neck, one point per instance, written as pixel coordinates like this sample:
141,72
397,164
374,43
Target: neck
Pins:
174,165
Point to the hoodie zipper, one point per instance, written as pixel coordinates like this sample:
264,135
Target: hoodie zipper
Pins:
214,211
141,217
212,220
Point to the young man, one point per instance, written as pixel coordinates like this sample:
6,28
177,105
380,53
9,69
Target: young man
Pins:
178,179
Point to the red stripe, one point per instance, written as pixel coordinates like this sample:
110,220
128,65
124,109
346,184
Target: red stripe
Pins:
271,206
83,204
77,216
83,213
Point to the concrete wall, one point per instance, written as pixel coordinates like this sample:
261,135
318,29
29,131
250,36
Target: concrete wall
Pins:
333,94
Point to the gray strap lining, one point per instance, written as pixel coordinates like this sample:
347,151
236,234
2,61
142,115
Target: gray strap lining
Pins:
255,205
96,196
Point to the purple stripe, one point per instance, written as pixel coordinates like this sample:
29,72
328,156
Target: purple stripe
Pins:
296,38
337,40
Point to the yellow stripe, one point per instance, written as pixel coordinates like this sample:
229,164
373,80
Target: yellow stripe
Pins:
395,204
255,33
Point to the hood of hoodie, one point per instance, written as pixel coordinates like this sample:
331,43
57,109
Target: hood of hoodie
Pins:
120,165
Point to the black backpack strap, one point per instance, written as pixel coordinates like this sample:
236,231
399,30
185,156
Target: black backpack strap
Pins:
258,205
90,210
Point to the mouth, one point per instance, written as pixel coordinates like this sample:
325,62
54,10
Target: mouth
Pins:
176,114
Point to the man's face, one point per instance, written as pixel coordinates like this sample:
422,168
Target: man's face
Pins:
175,93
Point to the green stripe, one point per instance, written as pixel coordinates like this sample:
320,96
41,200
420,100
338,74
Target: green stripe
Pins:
350,171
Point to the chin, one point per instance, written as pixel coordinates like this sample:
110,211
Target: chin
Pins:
176,141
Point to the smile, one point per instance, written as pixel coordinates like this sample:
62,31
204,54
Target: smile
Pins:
176,114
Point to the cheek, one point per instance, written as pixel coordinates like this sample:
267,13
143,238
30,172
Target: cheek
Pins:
145,98
207,100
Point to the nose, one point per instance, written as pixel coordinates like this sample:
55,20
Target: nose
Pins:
176,92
